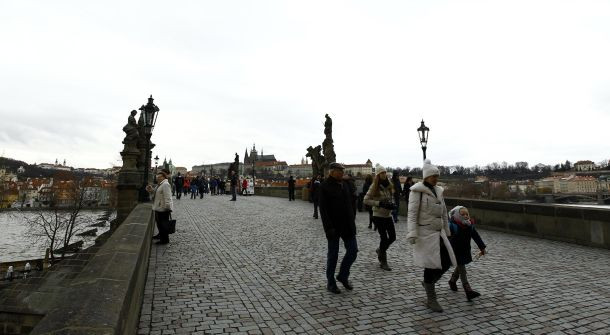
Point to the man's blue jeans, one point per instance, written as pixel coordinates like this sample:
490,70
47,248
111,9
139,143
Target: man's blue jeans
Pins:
351,251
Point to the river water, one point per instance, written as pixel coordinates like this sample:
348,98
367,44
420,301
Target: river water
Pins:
16,243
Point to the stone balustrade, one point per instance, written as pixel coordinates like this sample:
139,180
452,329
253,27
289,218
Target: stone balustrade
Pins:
574,224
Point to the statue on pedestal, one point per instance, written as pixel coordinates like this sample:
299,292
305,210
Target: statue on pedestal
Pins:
328,147
131,129
317,160
234,166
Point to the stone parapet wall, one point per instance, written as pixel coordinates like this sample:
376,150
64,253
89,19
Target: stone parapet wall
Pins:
280,192
580,225
106,296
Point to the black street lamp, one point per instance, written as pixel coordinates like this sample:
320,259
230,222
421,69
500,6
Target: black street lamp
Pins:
422,131
149,113
156,162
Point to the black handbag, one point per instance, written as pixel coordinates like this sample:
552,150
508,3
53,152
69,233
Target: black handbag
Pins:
171,225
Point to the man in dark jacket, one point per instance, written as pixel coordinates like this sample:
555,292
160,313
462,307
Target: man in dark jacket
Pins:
353,190
291,185
178,183
336,208
314,194
397,192
233,186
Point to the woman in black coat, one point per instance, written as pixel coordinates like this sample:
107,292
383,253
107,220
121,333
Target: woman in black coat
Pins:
462,231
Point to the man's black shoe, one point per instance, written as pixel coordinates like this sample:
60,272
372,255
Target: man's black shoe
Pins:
156,237
348,286
333,288
161,242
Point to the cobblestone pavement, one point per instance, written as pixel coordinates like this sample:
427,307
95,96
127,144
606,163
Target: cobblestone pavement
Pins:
256,266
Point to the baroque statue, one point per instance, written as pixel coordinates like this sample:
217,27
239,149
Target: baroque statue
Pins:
317,160
131,129
327,145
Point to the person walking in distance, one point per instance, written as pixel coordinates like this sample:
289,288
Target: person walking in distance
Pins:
368,181
380,196
339,223
396,194
428,231
194,188
162,205
406,190
213,185
178,184
203,187
244,186
233,186
186,187
291,186
315,197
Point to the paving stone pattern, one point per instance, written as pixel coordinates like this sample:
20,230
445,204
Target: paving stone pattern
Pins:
256,266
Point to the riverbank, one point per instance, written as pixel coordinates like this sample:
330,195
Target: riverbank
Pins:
17,243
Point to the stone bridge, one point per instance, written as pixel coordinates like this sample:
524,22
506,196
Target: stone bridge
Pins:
256,266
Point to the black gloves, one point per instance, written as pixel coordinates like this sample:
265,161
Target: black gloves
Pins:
387,205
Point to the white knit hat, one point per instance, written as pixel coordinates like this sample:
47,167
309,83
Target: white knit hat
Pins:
429,169
379,169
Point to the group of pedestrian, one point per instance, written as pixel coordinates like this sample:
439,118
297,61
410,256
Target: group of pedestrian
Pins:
440,239
197,186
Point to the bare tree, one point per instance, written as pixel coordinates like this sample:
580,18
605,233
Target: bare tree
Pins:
57,225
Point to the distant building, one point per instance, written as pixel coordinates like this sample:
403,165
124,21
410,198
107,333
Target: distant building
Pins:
604,183
569,184
56,166
168,166
584,166
271,167
359,170
94,171
299,170
216,169
181,170
6,176
255,157
583,184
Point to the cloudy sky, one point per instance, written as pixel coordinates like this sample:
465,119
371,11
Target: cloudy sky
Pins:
494,80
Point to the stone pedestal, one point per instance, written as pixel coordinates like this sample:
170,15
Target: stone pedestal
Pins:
130,180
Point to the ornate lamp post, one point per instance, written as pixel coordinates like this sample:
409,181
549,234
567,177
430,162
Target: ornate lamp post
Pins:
422,131
156,162
149,112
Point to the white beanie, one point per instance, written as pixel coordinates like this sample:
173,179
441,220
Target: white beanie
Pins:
429,169
379,169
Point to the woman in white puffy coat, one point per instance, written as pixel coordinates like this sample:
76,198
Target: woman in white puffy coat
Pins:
428,229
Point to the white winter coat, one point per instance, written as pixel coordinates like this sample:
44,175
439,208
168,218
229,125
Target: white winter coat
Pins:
427,221
162,199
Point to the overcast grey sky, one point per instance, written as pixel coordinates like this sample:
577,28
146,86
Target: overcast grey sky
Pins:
494,80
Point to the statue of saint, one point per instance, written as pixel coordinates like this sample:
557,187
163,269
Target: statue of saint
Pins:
317,160
328,126
131,128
